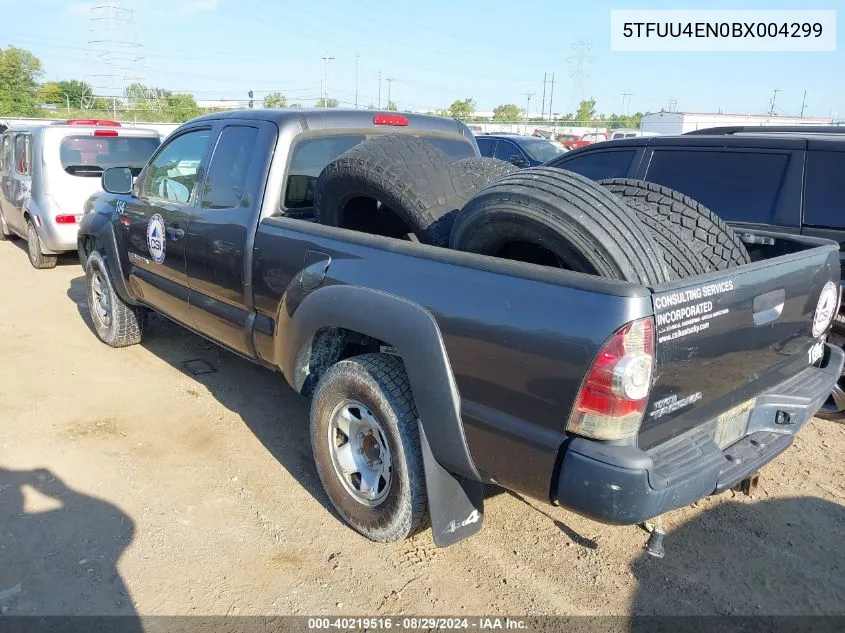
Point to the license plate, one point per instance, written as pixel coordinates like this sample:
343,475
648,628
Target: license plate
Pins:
731,425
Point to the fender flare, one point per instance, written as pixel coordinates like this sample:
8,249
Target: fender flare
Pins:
99,226
414,333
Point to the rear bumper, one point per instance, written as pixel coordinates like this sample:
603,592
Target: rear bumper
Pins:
624,485
56,238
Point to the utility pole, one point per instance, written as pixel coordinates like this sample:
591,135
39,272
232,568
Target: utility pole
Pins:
389,81
379,88
543,109
326,59
774,96
356,81
803,104
528,96
626,95
551,96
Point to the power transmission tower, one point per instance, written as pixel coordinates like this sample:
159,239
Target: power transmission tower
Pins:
543,108
579,73
551,97
326,59
115,57
774,96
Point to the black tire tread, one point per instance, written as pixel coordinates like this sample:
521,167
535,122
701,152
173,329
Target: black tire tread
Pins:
412,170
469,175
694,239
128,322
595,221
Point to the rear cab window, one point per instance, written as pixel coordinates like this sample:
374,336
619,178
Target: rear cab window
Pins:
87,155
311,154
737,185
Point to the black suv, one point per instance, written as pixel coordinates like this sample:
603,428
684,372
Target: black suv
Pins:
789,178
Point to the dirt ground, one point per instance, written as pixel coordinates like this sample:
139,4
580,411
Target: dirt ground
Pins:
130,485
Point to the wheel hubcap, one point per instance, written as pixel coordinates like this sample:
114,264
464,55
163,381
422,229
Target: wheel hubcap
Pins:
360,454
100,300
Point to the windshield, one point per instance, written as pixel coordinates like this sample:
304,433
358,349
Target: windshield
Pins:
90,155
541,149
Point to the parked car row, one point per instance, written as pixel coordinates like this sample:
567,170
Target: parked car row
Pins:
613,347
47,172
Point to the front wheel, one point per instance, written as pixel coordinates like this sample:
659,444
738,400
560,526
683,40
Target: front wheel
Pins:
33,249
366,445
116,323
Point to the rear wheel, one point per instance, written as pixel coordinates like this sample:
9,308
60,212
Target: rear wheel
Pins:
33,249
366,446
116,323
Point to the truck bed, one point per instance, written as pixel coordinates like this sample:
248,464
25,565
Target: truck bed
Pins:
520,337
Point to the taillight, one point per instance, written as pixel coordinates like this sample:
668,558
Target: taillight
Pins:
105,132
613,396
390,119
66,218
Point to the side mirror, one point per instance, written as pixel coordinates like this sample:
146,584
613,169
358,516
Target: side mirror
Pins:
117,180
519,161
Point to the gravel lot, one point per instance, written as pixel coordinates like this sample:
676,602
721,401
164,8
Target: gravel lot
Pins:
130,485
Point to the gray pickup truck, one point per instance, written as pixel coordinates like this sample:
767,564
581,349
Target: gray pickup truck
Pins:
432,371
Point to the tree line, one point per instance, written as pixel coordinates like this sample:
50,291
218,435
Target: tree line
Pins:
23,94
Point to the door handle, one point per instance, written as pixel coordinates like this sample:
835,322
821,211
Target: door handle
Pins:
175,233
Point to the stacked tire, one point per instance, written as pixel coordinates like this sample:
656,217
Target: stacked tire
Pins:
401,186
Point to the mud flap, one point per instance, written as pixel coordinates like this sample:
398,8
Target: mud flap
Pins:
455,503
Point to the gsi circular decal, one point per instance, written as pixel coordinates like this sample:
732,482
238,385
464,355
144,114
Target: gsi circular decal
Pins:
155,238
826,308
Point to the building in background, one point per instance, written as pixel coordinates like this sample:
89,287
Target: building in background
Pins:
681,122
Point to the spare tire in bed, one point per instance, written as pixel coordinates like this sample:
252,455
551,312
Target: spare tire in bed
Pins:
392,185
694,240
469,175
557,218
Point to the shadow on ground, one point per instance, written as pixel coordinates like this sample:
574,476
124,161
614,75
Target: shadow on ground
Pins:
65,259
275,413
60,549
774,557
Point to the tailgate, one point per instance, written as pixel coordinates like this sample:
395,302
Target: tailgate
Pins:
723,338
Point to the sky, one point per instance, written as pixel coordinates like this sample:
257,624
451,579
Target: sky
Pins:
435,51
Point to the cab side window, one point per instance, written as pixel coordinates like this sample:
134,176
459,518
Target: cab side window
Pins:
173,173
600,164
505,150
224,185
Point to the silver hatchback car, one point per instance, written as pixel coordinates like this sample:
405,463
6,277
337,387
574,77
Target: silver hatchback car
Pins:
47,172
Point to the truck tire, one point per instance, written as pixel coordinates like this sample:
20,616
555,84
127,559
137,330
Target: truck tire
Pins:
693,238
366,445
116,323
393,185
557,218
469,175
33,249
